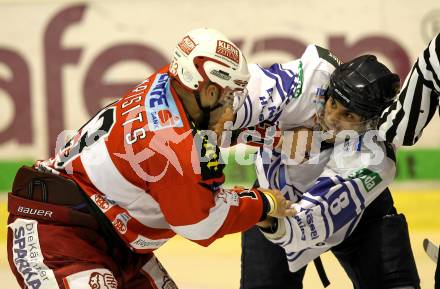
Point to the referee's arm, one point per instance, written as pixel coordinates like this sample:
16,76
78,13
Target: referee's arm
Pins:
403,122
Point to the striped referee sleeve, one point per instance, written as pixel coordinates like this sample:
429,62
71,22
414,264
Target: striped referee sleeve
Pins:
403,122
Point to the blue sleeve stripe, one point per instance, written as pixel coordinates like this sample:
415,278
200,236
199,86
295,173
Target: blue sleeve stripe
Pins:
276,116
248,100
339,220
341,179
315,202
359,146
266,166
295,255
274,184
291,231
297,192
274,175
358,193
291,235
324,216
322,186
287,79
274,77
288,72
282,176
356,190
246,114
282,80
352,226
273,166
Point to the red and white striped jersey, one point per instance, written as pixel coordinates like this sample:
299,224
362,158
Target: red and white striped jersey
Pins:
138,161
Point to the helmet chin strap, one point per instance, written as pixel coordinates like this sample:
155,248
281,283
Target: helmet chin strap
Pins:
206,112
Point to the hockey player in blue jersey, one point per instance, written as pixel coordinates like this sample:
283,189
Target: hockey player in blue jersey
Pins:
341,199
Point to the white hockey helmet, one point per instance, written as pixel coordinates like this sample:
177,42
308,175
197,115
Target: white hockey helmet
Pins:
206,54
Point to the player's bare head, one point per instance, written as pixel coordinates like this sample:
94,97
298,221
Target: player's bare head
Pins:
211,74
358,92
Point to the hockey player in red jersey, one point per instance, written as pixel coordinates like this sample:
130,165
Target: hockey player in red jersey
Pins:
142,170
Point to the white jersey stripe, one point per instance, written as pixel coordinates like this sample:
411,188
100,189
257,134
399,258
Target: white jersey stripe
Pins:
147,211
107,179
208,226
105,176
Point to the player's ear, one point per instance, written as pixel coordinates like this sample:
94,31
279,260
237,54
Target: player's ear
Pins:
212,94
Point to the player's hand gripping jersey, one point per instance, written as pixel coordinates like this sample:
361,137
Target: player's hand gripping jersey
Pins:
141,162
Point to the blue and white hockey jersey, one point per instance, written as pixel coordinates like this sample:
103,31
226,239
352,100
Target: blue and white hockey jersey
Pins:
331,191
285,93
333,187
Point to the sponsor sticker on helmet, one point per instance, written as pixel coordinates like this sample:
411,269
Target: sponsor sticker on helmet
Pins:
228,50
187,45
221,74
